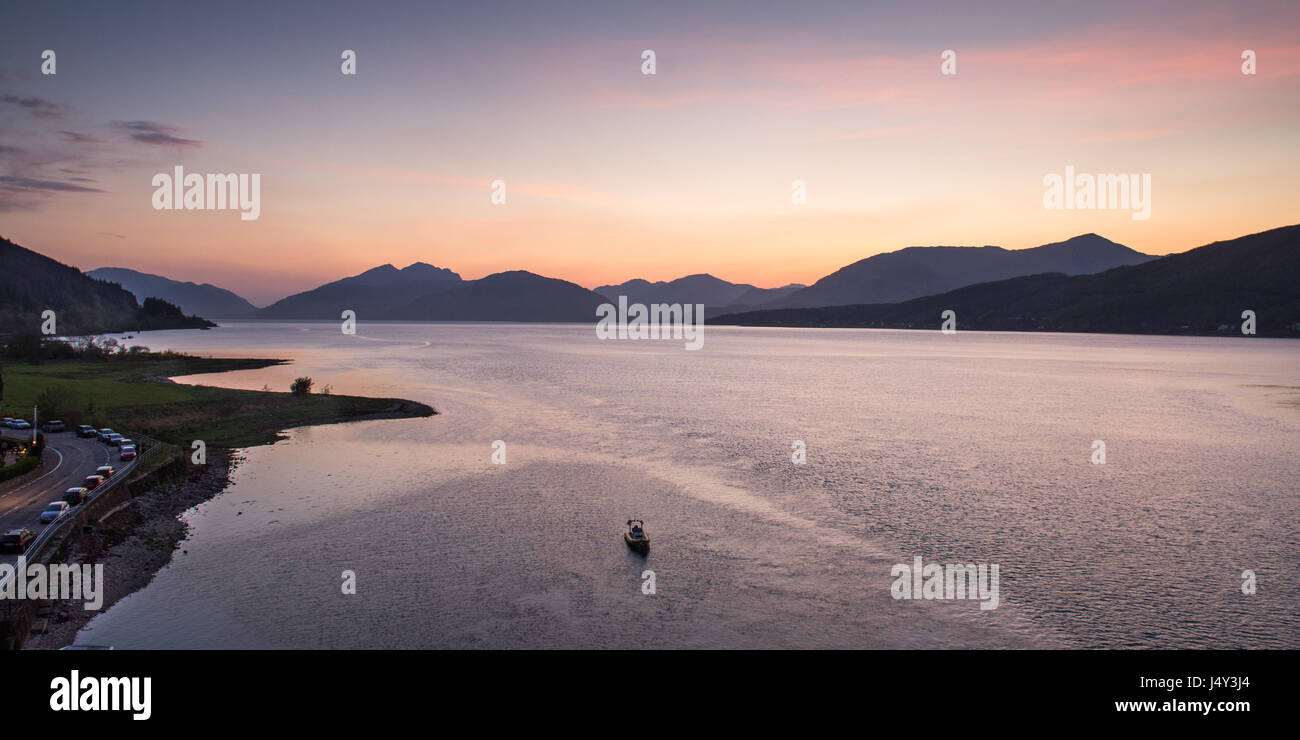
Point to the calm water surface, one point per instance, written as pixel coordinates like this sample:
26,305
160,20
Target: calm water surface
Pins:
967,448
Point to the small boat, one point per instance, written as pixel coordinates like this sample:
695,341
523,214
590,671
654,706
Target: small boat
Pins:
635,536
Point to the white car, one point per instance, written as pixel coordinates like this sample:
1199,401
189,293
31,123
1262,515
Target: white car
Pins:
54,510
21,424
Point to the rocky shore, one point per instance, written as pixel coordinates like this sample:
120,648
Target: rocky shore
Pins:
140,534
135,542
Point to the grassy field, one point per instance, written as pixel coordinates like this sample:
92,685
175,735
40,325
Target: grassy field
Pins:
125,393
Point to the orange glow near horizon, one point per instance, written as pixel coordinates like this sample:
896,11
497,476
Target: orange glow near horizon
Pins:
613,175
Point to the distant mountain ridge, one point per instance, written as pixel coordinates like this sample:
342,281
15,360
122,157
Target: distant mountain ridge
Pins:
699,288
913,272
387,275
31,283
198,299
422,292
517,295
1201,291
376,292
714,293
386,292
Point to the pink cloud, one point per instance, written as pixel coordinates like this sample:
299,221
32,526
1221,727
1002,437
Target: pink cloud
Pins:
780,70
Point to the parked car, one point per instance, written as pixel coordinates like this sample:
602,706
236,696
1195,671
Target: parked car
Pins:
16,540
128,453
86,430
54,510
8,420
54,426
103,434
75,496
92,482
21,424
105,470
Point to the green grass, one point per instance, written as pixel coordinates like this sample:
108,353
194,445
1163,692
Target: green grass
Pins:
119,392
24,384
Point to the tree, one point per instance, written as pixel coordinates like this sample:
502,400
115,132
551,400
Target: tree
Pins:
59,402
301,386
25,345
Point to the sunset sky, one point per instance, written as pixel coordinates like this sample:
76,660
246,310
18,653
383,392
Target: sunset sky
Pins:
612,174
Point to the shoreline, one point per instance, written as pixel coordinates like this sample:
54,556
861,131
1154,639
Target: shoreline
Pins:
134,544
137,541
141,537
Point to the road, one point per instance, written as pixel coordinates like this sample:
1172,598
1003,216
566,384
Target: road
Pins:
68,460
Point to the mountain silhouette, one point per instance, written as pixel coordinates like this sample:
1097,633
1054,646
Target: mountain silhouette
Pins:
919,271
31,283
1201,291
717,295
701,288
202,300
373,293
759,296
505,296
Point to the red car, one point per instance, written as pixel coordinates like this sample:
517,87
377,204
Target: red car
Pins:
92,482
128,453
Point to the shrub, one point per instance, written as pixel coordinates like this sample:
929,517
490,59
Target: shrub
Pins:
59,402
24,465
301,386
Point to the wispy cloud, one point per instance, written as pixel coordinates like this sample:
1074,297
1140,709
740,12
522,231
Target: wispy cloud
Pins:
26,193
158,134
27,183
80,138
39,107
40,162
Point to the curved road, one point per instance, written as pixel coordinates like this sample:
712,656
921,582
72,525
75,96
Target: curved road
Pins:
68,460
